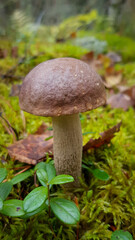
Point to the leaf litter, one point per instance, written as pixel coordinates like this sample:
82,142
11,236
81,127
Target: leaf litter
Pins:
33,149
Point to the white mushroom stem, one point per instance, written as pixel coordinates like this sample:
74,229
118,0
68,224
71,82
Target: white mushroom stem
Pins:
68,146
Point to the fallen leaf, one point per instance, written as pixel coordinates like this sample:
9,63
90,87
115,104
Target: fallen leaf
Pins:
92,61
41,129
73,35
15,89
120,100
110,70
131,93
115,58
112,80
32,149
105,61
104,139
88,57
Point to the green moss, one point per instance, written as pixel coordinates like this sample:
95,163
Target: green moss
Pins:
123,45
111,203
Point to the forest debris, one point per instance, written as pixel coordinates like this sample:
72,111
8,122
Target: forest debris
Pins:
112,80
32,149
88,57
99,62
120,100
15,89
124,99
14,52
115,57
3,53
41,129
104,139
131,93
10,73
105,64
10,130
110,70
73,35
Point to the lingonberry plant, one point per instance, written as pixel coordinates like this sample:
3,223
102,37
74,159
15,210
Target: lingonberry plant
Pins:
40,198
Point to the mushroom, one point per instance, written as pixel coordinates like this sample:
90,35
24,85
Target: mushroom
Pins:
62,88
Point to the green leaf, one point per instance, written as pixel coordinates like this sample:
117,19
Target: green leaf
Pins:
38,210
65,210
40,165
50,128
100,174
48,167
42,176
45,172
48,138
121,235
13,208
35,199
5,189
51,172
22,176
3,174
1,203
60,179
85,133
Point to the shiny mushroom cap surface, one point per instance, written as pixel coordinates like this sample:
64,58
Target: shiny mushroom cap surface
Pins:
61,86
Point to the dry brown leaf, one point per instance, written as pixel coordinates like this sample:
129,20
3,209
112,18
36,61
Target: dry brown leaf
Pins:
15,89
110,70
120,100
114,57
112,80
104,139
42,128
73,35
32,149
131,93
88,57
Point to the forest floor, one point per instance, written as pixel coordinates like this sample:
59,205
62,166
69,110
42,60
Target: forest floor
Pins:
106,198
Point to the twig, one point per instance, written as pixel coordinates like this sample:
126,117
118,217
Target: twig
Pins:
11,70
9,73
35,179
9,130
12,77
24,170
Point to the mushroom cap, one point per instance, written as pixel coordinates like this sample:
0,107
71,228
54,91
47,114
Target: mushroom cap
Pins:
61,86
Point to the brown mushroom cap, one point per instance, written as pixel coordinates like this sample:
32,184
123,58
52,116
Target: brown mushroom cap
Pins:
61,86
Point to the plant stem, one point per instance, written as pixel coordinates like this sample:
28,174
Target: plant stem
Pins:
49,200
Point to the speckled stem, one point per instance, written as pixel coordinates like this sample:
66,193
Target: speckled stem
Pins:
68,146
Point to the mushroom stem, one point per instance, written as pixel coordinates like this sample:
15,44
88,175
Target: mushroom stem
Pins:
68,146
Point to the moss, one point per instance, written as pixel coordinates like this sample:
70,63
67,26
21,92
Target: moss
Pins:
111,203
